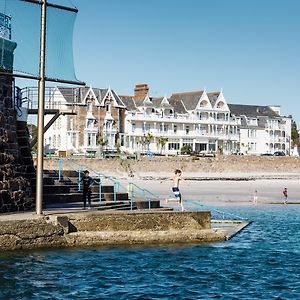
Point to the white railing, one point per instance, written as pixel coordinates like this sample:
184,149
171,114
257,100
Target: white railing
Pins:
177,118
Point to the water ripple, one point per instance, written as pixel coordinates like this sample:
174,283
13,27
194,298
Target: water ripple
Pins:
260,263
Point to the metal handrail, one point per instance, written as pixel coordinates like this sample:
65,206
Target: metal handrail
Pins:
145,193
222,213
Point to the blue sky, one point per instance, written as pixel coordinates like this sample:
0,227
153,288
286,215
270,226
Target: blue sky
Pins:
248,48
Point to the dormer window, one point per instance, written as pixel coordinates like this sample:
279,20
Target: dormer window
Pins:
203,103
220,104
107,107
89,106
89,123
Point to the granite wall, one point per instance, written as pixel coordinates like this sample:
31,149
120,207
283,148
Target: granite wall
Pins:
16,165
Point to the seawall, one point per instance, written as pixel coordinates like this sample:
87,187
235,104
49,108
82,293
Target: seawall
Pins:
27,231
206,168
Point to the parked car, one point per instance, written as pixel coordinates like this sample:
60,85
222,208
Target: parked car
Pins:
266,154
279,153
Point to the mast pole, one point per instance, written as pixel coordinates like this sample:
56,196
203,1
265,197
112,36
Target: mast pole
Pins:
41,101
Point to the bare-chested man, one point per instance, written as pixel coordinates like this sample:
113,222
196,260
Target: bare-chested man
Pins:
175,188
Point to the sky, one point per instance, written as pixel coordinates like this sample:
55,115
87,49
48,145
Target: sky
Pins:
249,49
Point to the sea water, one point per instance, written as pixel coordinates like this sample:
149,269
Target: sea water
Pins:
262,262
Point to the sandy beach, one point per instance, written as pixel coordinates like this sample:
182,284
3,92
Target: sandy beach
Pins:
228,192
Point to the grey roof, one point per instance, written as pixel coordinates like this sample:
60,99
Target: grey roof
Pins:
251,110
158,102
129,102
189,99
76,95
118,99
71,95
213,96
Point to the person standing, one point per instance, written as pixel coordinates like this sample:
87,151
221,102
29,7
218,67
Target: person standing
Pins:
87,182
255,197
285,195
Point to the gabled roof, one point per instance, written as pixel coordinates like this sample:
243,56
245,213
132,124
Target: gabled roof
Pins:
71,95
251,110
78,95
129,102
161,102
213,97
189,99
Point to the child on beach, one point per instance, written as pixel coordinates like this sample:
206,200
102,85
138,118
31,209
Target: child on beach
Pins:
175,188
255,197
285,195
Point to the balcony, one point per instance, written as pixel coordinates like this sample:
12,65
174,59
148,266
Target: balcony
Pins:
177,119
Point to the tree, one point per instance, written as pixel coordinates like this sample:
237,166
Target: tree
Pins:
186,149
295,134
147,139
101,141
161,143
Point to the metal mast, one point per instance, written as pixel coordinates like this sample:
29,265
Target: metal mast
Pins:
41,101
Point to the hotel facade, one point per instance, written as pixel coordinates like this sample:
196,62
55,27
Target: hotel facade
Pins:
139,123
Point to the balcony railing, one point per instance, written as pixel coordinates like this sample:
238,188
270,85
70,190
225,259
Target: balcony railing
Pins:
5,26
177,118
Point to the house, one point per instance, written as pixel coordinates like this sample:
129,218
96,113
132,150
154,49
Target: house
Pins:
202,120
99,115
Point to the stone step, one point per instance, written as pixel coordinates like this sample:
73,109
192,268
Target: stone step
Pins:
62,198
49,189
104,188
142,204
119,196
115,206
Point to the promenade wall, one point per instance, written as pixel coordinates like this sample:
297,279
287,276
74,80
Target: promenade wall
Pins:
95,228
164,166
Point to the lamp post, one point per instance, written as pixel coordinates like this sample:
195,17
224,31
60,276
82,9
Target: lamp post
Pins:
41,98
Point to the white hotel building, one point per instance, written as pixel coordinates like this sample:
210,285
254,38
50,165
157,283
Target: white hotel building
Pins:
204,120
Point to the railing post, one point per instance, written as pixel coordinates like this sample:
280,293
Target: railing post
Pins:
79,178
131,195
115,192
59,169
100,189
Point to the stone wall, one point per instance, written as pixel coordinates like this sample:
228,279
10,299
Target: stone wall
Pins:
16,165
204,166
98,228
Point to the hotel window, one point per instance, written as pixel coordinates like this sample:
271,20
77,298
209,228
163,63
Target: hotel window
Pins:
133,126
89,106
175,128
163,128
173,146
187,129
146,127
89,123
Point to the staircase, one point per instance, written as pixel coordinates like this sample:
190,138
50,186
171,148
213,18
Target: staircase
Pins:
64,193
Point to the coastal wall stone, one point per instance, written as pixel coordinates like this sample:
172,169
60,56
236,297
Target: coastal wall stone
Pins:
88,228
16,165
30,234
155,221
164,166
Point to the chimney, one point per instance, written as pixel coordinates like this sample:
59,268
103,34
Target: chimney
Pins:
141,90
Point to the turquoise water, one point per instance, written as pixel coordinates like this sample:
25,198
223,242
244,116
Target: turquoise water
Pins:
262,262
